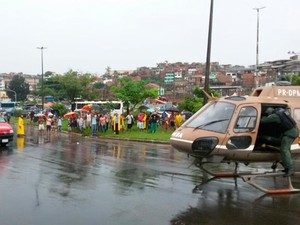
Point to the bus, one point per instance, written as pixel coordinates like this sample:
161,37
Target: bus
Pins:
8,107
112,106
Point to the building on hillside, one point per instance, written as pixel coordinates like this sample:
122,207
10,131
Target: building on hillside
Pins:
181,89
32,80
248,80
224,78
152,85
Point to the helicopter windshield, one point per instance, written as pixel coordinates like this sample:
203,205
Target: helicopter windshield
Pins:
216,117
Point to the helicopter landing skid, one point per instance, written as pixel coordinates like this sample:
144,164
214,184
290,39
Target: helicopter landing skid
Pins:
219,174
249,177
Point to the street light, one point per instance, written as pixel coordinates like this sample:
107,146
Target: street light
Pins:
42,54
257,46
13,92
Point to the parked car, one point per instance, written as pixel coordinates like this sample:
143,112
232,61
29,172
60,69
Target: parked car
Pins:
6,132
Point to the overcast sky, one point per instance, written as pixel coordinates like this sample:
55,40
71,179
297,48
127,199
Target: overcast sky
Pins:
90,35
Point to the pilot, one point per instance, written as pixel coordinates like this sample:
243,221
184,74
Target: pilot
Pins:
289,133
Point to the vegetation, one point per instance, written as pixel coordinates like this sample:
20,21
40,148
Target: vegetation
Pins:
69,86
294,79
134,134
19,88
195,102
61,108
133,92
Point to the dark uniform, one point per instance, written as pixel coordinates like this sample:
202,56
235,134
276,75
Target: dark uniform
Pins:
287,138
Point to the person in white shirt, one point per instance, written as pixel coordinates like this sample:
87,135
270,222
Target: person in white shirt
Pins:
130,121
80,123
48,124
59,124
88,120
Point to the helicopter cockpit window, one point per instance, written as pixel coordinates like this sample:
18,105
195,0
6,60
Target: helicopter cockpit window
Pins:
246,120
215,117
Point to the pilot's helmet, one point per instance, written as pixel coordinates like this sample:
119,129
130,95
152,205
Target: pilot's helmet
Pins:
269,110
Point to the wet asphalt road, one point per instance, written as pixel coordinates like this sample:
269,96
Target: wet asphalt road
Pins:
67,179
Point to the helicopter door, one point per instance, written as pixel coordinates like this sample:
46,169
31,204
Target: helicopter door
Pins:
243,128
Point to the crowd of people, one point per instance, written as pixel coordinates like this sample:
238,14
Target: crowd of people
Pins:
93,123
119,123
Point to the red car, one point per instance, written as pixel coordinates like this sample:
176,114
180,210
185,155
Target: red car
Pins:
6,132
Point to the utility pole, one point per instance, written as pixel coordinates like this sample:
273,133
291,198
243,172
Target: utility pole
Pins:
207,71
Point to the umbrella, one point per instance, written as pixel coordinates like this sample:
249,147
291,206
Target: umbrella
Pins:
143,107
187,114
40,114
87,107
172,109
70,114
104,111
95,107
150,110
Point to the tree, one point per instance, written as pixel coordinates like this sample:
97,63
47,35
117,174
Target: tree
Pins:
19,87
61,108
294,79
48,73
51,87
194,103
198,92
133,92
86,83
75,85
98,85
69,86
107,72
191,103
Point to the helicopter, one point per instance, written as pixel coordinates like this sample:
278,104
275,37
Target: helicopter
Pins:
228,130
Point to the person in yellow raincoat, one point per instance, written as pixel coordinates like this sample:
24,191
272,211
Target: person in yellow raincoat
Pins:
118,123
145,120
20,129
178,120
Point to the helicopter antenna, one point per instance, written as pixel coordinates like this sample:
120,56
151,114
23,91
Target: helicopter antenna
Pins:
212,98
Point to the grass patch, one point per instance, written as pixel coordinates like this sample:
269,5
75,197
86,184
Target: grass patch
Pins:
134,133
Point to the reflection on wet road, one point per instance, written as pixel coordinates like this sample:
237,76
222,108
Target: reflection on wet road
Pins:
68,179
